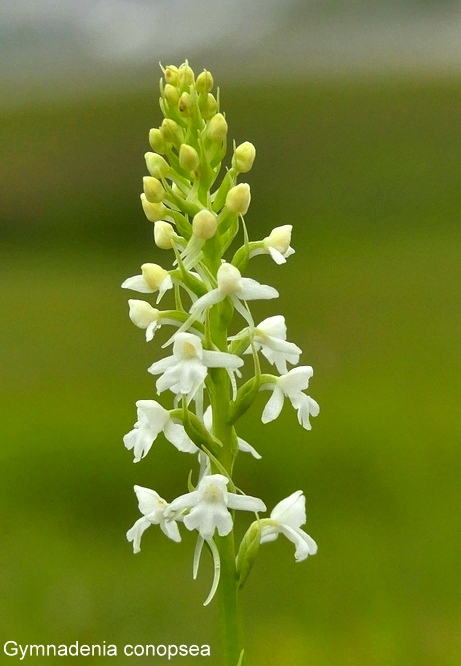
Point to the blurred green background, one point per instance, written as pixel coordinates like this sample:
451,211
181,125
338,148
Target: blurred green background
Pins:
367,170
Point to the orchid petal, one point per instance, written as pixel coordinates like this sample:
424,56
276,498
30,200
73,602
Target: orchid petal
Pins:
274,406
216,359
211,298
135,533
247,448
176,434
251,290
245,503
276,255
137,283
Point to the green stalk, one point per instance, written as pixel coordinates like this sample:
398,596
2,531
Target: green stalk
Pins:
229,608
219,389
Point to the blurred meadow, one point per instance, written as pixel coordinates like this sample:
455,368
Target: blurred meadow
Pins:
368,172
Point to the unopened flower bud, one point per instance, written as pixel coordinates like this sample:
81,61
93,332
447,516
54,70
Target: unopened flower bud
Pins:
153,211
204,82
248,551
157,166
142,313
244,157
156,141
204,224
209,108
185,75
238,198
153,275
229,279
279,238
153,189
217,128
171,131
188,157
163,235
171,75
171,94
186,104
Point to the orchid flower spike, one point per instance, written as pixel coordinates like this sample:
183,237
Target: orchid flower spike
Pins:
184,372
152,420
291,386
286,518
231,284
153,278
153,508
209,506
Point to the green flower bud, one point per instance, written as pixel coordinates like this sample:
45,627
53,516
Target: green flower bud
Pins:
188,158
157,166
204,224
217,128
156,141
171,94
248,552
243,157
163,235
204,82
171,131
238,198
153,211
185,75
171,75
209,107
186,104
153,189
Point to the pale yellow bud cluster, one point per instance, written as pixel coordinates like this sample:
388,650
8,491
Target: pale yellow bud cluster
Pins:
187,153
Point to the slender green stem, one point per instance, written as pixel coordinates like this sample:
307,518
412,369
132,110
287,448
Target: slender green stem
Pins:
231,623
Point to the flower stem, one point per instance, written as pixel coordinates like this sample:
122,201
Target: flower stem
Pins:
231,624
219,390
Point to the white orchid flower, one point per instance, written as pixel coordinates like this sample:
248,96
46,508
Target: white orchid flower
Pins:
270,336
277,244
291,385
152,420
153,508
209,506
244,446
153,278
184,372
231,284
143,315
286,518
